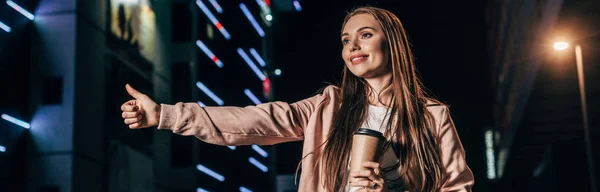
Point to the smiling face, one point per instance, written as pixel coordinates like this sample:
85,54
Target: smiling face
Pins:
365,49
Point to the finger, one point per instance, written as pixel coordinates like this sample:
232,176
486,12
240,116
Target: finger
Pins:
133,120
373,165
129,106
134,93
363,173
364,183
135,125
134,114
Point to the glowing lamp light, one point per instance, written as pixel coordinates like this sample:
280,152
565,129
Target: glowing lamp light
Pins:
260,151
251,64
297,5
258,58
2,149
252,97
231,147
210,172
213,20
209,53
278,72
216,5
20,10
561,45
209,93
201,190
16,121
269,17
252,20
244,189
201,104
258,165
4,27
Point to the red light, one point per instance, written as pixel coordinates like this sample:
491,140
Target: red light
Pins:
268,2
267,88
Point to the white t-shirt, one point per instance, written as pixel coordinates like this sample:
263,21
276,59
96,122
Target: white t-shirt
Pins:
377,119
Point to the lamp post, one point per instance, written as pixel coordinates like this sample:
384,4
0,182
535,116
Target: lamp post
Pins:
586,128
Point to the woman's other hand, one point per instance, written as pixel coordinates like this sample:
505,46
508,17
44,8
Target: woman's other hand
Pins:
369,180
140,112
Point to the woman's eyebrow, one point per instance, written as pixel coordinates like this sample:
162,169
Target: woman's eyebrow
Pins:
360,29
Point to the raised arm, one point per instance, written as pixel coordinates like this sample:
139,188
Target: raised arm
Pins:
264,124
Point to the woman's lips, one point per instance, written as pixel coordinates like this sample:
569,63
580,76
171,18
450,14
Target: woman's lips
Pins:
359,59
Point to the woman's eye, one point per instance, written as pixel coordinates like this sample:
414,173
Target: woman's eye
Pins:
344,42
366,35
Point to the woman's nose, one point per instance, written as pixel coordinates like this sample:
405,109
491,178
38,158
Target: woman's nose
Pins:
354,47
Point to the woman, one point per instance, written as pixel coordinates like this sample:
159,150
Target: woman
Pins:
380,90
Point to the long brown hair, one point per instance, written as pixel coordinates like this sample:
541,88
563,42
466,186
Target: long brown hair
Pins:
410,122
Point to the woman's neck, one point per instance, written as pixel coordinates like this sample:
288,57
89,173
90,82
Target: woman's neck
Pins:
378,96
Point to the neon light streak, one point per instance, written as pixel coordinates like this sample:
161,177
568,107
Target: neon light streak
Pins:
4,27
259,165
216,5
211,173
252,97
260,151
20,9
212,19
209,93
16,121
244,189
251,64
252,20
258,57
297,5
209,53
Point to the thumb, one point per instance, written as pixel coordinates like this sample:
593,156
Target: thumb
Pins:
134,93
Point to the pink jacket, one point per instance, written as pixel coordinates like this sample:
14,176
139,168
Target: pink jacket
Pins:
309,120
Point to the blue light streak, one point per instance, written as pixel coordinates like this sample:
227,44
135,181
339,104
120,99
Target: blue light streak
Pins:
259,165
297,5
4,27
251,64
213,19
258,57
20,10
16,121
252,97
209,93
210,172
216,5
244,189
209,53
252,20
260,150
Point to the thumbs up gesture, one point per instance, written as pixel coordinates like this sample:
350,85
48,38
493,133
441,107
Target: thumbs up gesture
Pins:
140,112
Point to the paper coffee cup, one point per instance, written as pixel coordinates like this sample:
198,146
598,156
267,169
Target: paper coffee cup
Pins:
366,144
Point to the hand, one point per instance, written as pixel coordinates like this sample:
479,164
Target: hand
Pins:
369,180
141,112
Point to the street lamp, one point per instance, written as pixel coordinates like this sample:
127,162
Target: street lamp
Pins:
586,129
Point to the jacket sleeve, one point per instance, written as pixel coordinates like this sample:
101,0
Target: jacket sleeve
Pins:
263,124
458,176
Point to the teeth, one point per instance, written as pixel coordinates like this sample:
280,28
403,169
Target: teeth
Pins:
356,58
